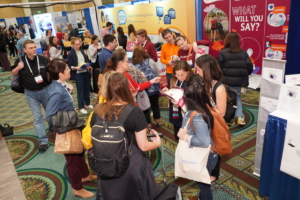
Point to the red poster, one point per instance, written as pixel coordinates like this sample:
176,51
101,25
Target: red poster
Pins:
277,20
248,20
215,15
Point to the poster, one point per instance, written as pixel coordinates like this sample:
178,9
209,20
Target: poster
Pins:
213,11
60,22
277,20
262,26
248,20
161,15
43,22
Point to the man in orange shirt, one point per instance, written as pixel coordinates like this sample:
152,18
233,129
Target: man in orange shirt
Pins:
169,53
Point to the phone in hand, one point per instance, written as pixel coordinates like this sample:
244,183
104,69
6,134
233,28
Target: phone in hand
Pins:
153,135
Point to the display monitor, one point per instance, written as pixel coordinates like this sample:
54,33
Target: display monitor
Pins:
159,12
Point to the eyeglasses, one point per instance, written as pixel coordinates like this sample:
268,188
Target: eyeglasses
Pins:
126,61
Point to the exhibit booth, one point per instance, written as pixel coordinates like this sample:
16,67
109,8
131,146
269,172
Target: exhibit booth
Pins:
265,30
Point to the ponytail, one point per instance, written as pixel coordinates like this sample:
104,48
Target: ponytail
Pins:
112,62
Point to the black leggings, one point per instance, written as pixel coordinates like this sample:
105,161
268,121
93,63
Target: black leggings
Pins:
12,50
216,171
176,130
155,108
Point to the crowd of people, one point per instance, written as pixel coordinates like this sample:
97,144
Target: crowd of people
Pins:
83,58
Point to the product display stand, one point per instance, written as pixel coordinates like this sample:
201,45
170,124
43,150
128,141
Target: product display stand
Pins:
272,78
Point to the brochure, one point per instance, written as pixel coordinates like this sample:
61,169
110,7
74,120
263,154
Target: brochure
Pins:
84,65
176,94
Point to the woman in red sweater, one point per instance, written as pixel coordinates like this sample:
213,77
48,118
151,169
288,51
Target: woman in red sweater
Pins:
188,51
119,62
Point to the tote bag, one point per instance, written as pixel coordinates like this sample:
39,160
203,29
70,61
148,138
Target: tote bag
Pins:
190,163
68,143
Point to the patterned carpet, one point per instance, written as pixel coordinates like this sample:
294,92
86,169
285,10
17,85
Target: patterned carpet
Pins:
43,176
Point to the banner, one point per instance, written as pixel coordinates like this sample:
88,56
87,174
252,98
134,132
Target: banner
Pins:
277,20
248,20
216,16
60,22
262,26
154,17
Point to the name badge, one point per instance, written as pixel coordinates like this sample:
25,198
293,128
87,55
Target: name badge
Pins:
190,62
42,66
38,79
175,108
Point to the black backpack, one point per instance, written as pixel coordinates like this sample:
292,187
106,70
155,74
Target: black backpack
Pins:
231,101
109,156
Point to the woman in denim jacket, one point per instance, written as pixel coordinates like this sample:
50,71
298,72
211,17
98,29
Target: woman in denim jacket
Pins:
60,98
198,100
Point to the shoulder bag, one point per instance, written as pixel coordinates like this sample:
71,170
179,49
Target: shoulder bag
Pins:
142,97
16,84
190,163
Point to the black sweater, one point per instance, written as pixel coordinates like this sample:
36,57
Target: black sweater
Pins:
236,67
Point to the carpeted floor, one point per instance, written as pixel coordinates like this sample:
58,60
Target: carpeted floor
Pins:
43,175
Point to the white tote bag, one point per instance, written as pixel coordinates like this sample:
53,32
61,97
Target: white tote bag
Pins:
190,163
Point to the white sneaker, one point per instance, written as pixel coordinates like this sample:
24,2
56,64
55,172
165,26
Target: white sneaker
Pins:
83,111
89,107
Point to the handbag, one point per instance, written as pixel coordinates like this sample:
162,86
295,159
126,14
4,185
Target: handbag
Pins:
143,100
16,85
68,143
6,130
190,163
142,97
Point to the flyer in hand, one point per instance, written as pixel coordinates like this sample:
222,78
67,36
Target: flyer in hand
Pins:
85,65
176,95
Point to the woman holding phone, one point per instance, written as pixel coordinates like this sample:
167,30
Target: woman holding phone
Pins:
138,182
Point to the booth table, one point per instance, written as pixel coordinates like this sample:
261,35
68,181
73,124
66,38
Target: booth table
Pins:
275,184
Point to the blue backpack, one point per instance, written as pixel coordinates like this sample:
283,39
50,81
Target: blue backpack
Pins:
149,73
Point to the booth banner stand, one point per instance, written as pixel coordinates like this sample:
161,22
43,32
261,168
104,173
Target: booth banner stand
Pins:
272,79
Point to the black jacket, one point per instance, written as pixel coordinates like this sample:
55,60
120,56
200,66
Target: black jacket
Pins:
236,67
66,120
73,59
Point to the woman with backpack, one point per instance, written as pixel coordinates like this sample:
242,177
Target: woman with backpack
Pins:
236,66
138,180
141,60
208,68
181,72
198,135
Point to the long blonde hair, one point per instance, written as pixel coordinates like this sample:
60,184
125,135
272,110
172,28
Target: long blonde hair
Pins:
103,88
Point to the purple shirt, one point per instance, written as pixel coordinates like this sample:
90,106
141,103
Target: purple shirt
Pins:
104,32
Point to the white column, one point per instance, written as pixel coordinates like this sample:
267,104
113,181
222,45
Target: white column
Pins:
49,8
27,11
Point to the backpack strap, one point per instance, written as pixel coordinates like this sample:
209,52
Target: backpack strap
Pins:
191,120
215,89
125,113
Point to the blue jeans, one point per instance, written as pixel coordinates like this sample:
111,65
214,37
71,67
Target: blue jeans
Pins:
239,110
83,89
205,189
34,99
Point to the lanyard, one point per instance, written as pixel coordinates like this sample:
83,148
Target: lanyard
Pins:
188,58
180,84
38,62
144,43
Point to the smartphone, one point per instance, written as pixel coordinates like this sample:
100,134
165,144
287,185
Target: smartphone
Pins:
153,135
